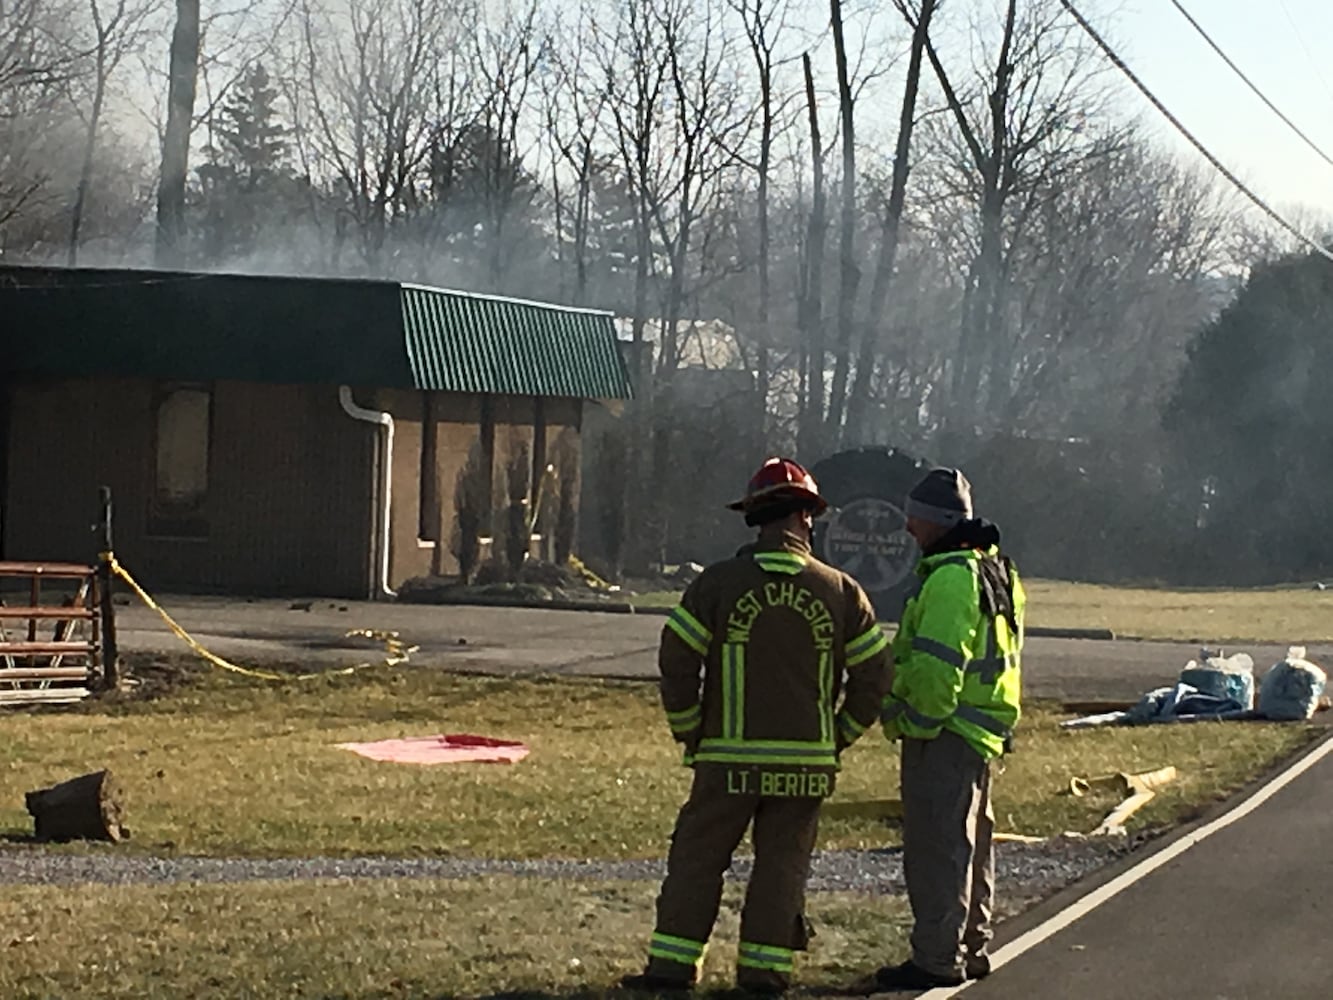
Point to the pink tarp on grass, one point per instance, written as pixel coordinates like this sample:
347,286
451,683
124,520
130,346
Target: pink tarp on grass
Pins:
454,748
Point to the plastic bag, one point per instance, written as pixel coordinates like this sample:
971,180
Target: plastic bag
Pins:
1291,689
1232,677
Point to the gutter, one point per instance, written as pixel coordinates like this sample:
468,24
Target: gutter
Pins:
380,587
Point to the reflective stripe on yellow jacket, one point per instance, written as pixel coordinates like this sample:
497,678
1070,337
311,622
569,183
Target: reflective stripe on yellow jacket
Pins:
955,668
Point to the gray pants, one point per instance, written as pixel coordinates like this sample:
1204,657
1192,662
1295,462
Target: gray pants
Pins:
948,857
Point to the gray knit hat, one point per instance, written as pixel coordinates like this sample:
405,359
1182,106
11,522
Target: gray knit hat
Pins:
944,497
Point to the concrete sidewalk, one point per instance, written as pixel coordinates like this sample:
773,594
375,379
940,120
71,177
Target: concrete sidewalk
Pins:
520,641
1242,914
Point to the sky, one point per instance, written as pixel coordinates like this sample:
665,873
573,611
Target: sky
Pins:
1276,43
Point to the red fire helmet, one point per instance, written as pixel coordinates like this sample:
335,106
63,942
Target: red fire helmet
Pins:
777,479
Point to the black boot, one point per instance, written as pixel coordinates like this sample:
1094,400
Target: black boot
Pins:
910,976
753,988
644,982
753,991
978,966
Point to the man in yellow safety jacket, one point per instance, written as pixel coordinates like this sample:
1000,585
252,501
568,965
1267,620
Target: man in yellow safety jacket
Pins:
954,704
755,662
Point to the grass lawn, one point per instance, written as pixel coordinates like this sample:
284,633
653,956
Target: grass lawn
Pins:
390,939
1270,614
219,766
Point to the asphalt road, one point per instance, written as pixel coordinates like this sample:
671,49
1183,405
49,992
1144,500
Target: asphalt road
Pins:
1244,914
523,641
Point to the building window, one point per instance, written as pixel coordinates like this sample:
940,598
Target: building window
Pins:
182,432
428,502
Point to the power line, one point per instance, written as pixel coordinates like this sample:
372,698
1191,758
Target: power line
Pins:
1217,164
1250,83
1300,37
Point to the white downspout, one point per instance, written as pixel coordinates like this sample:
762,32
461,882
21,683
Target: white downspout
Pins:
385,420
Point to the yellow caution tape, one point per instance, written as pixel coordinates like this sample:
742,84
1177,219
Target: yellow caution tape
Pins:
589,577
398,651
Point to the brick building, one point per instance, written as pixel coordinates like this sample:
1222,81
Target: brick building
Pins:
271,435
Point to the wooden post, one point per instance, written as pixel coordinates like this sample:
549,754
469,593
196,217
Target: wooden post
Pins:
107,608
540,471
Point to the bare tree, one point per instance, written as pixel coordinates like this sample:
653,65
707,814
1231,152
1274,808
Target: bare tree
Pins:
116,33
674,117
849,270
39,59
1102,325
634,48
705,125
763,22
811,432
507,59
575,106
859,400
708,121
634,68
176,143
34,52
1020,135
369,82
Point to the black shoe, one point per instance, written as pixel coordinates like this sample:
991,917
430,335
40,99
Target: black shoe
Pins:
750,991
643,982
978,967
910,976
758,990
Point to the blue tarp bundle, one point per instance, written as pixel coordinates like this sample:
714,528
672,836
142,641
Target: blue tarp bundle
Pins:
1173,704
1219,689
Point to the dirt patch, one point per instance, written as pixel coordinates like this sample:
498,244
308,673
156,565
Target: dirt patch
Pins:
544,584
150,677
156,677
537,584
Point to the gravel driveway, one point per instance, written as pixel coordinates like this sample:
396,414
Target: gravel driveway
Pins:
1022,869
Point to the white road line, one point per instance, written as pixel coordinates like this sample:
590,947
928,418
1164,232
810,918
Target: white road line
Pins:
1082,907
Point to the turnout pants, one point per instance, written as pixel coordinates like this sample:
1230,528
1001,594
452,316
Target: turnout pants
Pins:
948,858
709,828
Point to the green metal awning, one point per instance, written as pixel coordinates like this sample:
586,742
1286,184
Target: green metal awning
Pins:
478,343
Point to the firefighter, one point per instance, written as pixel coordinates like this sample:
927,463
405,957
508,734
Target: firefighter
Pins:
753,663
954,703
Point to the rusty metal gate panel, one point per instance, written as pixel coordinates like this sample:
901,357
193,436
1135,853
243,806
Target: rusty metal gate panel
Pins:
50,641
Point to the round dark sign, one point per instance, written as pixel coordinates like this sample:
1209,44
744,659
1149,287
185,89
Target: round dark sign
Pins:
868,539
866,534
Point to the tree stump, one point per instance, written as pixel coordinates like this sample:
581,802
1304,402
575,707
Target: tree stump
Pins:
83,808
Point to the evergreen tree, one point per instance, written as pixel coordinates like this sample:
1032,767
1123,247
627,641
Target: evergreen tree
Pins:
252,138
1253,439
480,204
247,184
